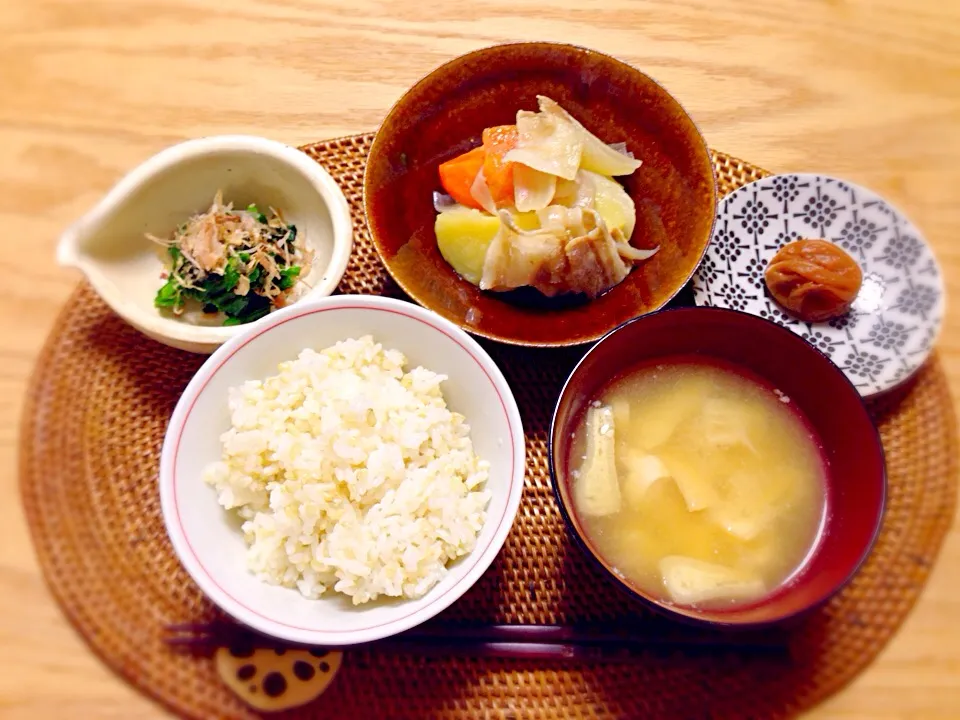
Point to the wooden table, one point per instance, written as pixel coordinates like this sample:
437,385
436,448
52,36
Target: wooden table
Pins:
867,89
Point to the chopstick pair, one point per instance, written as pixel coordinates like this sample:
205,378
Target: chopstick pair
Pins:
594,643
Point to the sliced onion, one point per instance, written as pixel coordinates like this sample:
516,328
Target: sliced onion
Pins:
576,193
532,190
596,156
547,142
631,253
481,193
621,147
444,203
553,217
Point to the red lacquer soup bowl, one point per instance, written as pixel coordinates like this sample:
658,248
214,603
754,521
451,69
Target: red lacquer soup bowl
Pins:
855,473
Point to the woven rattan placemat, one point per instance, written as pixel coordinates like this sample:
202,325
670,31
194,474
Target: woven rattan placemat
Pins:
92,431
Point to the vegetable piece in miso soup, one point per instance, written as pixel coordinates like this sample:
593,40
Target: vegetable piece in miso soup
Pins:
726,423
641,472
664,413
751,502
597,487
690,581
698,489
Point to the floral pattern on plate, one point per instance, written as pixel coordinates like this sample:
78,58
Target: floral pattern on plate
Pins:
895,320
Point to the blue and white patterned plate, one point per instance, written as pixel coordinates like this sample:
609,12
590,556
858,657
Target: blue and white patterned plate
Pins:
895,320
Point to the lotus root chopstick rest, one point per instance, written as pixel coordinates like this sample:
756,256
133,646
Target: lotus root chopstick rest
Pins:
271,680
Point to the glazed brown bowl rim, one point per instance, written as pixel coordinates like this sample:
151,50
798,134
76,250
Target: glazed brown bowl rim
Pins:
517,341
691,615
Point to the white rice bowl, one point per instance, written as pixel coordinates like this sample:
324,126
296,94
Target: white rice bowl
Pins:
351,474
300,600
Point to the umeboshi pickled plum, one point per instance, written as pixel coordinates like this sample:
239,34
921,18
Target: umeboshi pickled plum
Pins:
813,279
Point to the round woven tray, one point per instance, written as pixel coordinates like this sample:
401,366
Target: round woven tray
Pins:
93,426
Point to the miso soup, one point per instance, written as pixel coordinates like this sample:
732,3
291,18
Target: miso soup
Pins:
697,482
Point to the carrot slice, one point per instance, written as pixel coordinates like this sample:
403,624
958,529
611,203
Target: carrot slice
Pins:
458,174
498,141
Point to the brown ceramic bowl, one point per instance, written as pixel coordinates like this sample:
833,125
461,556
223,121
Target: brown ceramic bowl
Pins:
856,475
444,114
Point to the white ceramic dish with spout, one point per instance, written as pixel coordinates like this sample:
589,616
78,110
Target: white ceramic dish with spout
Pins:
110,247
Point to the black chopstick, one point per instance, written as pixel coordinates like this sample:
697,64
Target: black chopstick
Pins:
593,643
601,633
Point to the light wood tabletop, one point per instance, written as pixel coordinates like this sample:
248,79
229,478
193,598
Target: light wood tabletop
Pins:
865,89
